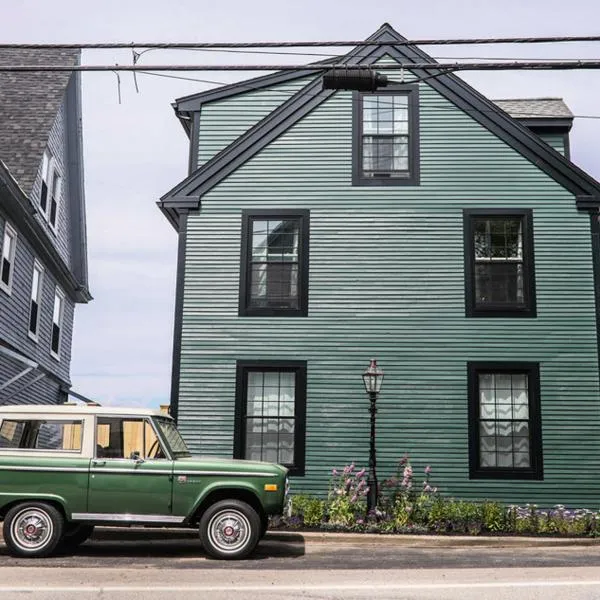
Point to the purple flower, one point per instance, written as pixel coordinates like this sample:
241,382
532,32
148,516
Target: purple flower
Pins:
403,460
354,498
427,470
361,472
334,472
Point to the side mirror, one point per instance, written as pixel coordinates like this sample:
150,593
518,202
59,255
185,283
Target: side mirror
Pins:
135,455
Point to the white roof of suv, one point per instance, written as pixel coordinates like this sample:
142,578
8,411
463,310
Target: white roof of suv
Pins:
83,409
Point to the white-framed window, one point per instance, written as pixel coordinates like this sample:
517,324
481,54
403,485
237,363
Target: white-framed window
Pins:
55,199
57,323
46,180
36,300
9,246
51,189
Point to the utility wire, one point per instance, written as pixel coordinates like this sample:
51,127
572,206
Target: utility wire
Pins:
305,44
457,66
272,92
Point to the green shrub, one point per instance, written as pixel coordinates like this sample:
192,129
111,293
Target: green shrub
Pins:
308,509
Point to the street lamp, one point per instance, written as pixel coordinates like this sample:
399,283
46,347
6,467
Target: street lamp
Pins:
372,378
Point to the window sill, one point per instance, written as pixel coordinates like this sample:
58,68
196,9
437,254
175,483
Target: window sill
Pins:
507,474
7,289
55,356
272,312
33,337
359,180
506,313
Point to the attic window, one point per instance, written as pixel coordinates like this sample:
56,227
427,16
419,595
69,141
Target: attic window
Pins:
386,137
51,188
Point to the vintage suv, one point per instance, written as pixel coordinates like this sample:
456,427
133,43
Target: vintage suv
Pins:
66,468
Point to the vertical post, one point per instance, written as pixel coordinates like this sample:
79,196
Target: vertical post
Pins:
372,497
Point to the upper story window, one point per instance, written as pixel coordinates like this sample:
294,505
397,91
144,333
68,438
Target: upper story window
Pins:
271,413
36,300
9,247
274,271
57,322
505,438
51,188
386,137
499,264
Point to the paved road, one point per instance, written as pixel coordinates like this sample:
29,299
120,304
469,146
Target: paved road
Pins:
153,565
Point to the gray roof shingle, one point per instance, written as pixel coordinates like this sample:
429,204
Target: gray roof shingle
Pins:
29,103
535,108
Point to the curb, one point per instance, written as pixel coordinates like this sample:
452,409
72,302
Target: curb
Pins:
147,534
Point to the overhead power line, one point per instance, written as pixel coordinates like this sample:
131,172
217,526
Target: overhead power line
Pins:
456,66
305,44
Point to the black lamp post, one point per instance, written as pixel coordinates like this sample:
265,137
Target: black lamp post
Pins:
372,378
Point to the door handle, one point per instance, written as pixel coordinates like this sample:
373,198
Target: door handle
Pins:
98,463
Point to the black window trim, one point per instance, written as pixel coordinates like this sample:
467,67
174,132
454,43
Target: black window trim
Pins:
532,370
414,163
529,310
303,262
239,438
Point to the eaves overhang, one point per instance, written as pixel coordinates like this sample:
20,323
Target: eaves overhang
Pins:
454,89
25,216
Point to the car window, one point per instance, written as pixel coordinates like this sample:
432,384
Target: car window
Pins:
126,438
42,435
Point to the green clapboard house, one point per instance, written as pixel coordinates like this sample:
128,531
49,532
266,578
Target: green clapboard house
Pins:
421,225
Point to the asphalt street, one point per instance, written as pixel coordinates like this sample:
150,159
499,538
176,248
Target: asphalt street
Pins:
150,564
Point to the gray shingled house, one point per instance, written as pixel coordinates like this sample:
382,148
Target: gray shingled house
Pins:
43,268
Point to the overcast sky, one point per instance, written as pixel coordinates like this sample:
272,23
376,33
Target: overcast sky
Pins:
136,150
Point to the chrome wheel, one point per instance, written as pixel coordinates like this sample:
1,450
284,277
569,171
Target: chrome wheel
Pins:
229,531
32,529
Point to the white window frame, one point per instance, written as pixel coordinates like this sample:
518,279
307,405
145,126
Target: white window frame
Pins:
52,178
9,232
59,296
37,266
54,197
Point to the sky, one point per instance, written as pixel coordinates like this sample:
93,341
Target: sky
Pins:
135,150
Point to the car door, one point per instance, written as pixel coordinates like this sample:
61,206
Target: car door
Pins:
130,474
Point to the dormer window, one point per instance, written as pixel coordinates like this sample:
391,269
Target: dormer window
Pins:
51,187
386,137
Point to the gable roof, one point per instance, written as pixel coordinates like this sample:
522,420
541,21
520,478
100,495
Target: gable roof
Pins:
187,194
29,103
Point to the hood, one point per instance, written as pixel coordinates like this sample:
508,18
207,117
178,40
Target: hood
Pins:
214,463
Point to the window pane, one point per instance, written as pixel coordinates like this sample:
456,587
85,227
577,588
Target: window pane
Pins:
385,131
504,425
270,422
499,283
11,434
59,435
274,263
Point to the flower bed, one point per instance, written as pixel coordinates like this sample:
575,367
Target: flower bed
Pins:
408,508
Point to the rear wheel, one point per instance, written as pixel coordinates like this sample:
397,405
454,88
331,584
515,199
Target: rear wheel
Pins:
33,529
230,529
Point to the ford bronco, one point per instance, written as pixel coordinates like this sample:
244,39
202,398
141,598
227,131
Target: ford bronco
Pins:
66,468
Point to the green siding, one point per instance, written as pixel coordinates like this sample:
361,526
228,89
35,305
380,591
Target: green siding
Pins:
554,140
223,121
386,281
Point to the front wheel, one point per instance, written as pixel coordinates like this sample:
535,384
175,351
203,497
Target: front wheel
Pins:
230,529
33,529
